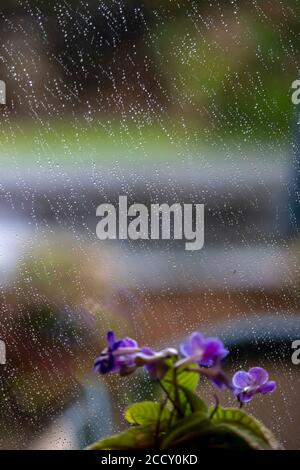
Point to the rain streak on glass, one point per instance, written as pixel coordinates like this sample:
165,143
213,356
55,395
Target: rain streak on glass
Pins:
163,102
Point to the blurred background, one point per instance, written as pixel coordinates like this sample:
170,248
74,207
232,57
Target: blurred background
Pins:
161,101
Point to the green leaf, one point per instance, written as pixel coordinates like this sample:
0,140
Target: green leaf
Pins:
147,412
208,436
184,380
188,380
185,427
227,429
138,437
254,433
195,402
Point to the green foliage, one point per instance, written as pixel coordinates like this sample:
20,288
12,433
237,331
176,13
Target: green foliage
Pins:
147,412
235,82
140,437
196,422
183,419
154,425
176,384
195,404
254,433
188,380
225,428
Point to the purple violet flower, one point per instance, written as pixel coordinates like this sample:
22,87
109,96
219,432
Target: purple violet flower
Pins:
247,384
155,362
150,367
218,378
207,352
119,356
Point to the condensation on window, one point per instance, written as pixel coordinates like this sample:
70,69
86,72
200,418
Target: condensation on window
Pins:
165,103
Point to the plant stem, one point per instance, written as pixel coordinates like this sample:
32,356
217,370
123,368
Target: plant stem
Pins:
217,403
176,388
169,398
157,430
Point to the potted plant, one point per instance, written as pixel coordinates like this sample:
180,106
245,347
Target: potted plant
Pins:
182,419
